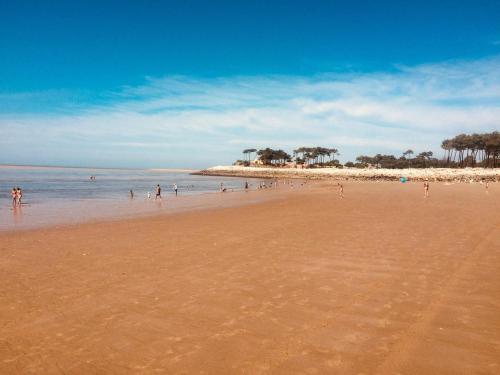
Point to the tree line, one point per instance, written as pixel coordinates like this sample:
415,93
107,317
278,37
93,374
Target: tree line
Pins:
463,150
311,156
424,159
475,150
316,156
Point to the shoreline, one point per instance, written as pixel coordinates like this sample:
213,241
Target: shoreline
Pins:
412,174
53,196
60,215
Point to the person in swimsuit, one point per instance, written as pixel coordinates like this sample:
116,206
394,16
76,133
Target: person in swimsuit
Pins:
19,196
246,185
13,194
175,188
341,190
158,192
426,189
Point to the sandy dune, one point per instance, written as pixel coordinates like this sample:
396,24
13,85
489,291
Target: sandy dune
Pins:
380,282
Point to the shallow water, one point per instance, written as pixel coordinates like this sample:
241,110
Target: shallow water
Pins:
68,195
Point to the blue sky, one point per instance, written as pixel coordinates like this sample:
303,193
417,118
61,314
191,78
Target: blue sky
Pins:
191,83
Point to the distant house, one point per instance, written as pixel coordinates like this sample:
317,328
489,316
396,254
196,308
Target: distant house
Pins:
257,162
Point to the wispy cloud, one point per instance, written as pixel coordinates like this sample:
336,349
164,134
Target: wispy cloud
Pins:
182,121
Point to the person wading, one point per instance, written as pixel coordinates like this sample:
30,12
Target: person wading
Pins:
158,192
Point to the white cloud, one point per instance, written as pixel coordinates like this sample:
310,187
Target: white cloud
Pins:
180,121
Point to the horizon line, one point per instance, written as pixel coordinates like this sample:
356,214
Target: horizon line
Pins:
45,166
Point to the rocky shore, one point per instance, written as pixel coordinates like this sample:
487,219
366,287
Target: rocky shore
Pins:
411,174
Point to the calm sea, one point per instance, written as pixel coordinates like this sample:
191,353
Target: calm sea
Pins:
66,195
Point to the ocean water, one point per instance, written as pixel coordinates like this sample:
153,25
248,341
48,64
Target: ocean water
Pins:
68,195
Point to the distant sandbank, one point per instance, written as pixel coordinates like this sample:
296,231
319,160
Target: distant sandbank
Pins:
432,174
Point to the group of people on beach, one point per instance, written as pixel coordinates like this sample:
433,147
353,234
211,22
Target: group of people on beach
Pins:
263,185
175,188
17,195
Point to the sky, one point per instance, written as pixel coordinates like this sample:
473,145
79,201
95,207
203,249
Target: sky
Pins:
190,84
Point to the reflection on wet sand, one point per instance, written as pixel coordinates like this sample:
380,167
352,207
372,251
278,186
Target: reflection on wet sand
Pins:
17,214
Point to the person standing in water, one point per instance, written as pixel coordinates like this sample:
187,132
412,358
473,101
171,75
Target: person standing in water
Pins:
19,196
131,194
13,194
246,185
175,188
426,189
158,192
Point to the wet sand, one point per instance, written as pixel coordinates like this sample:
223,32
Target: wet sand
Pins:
380,282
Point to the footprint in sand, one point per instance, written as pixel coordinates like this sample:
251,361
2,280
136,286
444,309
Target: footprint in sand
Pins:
326,288
335,362
382,323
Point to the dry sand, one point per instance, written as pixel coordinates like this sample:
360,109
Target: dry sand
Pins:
380,282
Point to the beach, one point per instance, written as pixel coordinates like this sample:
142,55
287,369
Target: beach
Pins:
382,281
